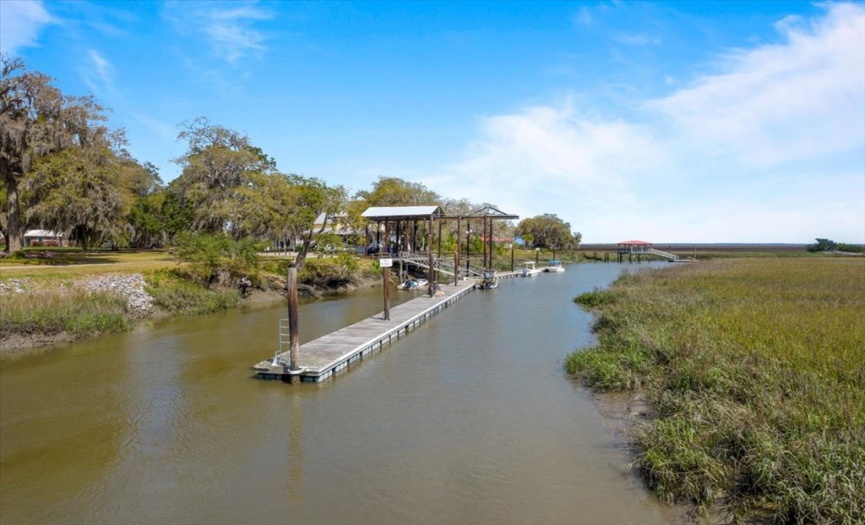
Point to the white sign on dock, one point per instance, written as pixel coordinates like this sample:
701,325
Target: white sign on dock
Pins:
385,263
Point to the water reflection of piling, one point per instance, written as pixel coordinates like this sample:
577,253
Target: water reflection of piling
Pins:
295,450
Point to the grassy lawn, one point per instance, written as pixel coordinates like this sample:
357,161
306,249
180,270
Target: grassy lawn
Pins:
72,263
756,370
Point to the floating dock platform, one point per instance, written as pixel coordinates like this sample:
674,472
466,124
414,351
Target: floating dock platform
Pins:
322,358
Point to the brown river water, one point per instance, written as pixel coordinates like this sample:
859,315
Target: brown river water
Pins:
469,419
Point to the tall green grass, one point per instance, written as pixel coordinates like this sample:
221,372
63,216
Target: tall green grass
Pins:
63,309
756,370
174,293
54,306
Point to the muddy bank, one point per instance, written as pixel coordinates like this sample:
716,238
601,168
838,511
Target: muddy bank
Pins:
21,343
624,408
626,413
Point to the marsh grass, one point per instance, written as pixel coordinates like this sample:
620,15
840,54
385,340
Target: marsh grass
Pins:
63,309
756,368
175,293
54,305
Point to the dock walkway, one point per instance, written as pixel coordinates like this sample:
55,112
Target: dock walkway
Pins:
329,354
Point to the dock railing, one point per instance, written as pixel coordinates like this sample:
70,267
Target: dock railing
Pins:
665,255
444,265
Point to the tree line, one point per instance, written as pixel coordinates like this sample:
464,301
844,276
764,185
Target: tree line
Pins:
65,170
828,245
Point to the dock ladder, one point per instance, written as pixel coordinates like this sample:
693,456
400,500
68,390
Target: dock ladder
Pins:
284,340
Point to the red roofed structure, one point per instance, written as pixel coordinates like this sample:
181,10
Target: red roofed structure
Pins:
640,248
633,246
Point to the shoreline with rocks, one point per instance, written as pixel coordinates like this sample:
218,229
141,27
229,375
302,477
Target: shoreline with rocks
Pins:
139,305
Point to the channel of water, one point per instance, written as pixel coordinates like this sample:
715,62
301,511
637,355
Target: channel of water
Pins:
469,419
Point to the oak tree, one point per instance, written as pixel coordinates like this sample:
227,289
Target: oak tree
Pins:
218,166
547,231
86,190
37,120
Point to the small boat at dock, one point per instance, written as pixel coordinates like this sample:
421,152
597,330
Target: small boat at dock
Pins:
530,270
554,266
412,284
489,281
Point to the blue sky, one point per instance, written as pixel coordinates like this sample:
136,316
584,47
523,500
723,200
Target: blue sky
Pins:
736,121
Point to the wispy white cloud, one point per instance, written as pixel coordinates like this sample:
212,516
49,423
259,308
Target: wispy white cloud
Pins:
637,39
21,23
589,14
98,74
555,159
111,19
583,17
156,127
771,147
785,102
229,28
103,69
231,34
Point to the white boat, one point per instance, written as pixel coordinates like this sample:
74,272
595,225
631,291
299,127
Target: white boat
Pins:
412,284
530,270
554,266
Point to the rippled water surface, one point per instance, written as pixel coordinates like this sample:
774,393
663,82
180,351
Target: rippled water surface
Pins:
469,419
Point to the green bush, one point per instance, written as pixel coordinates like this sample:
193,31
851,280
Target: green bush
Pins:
208,256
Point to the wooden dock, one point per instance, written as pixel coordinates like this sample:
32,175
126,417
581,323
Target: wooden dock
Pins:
322,358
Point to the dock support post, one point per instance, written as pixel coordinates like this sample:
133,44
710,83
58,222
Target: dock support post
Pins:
293,329
440,240
432,270
491,243
457,265
468,242
386,277
483,238
457,251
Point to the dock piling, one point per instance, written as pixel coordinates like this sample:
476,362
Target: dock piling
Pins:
293,328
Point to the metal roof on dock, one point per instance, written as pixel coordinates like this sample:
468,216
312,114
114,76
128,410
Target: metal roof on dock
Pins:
401,212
